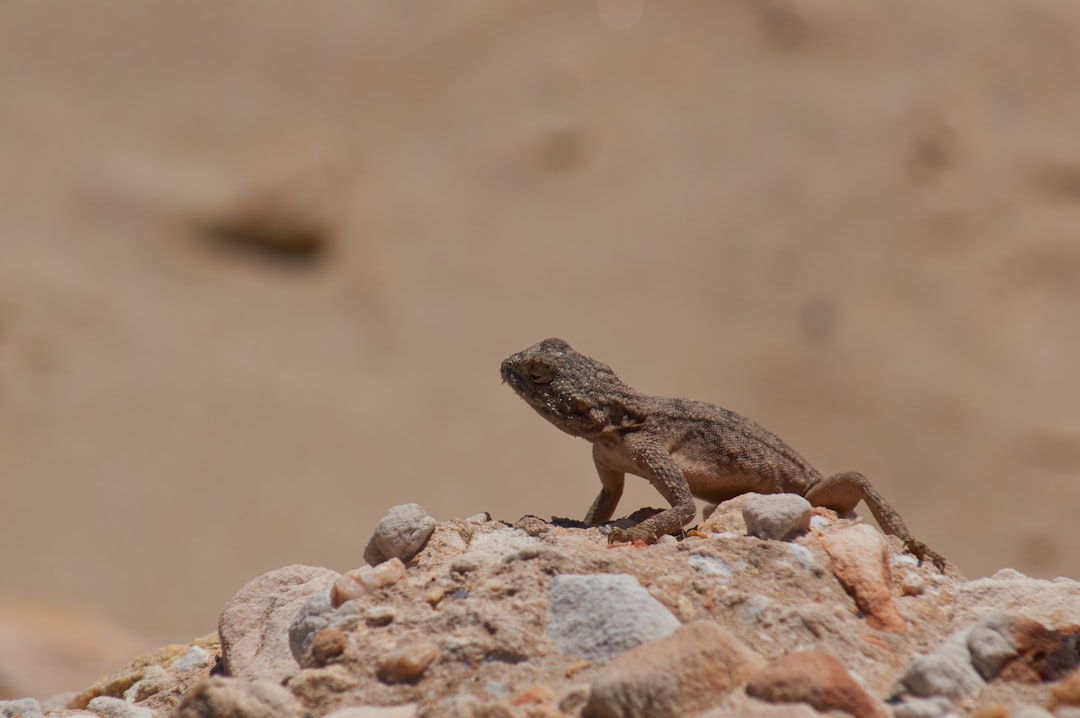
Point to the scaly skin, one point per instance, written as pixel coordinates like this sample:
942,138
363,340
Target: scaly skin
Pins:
685,448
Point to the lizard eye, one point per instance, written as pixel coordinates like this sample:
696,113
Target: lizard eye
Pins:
540,374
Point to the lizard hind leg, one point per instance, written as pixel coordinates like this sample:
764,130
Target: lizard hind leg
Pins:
842,492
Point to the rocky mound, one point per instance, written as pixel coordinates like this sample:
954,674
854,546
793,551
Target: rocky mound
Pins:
479,618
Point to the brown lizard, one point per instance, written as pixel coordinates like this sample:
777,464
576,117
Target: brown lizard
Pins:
684,448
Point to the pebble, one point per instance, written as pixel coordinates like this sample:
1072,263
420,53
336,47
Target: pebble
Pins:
21,707
401,533
329,643
816,678
683,674
923,708
406,664
255,625
1067,692
599,616
860,562
946,672
779,517
1052,603
991,644
109,707
237,698
366,581
316,614
378,616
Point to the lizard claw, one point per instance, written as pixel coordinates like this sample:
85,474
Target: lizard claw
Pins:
923,552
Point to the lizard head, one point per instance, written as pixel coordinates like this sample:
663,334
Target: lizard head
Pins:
574,392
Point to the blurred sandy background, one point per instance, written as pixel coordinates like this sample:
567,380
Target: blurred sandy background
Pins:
856,223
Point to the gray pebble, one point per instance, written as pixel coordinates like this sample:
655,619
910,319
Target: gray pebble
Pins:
314,616
401,533
990,643
599,616
946,672
25,707
780,517
110,707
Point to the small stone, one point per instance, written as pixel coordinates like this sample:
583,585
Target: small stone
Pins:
1044,654
109,707
20,708
923,708
378,616
991,643
860,562
237,698
195,658
366,581
946,672
682,674
778,517
344,589
329,643
401,533
816,678
406,664
314,616
1052,603
154,680
1067,692
599,616
480,518
256,623
912,584
434,595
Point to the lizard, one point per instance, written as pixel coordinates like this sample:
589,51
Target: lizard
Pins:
684,448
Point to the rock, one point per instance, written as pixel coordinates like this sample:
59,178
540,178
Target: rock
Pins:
217,697
20,708
401,533
683,674
923,707
365,581
860,561
779,517
1066,693
254,626
1043,654
156,680
991,642
816,678
109,707
599,616
315,615
1053,603
406,663
947,672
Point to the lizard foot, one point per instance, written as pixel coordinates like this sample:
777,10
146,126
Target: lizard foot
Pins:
924,553
621,535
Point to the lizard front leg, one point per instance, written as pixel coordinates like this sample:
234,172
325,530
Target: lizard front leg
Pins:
841,492
612,482
663,473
